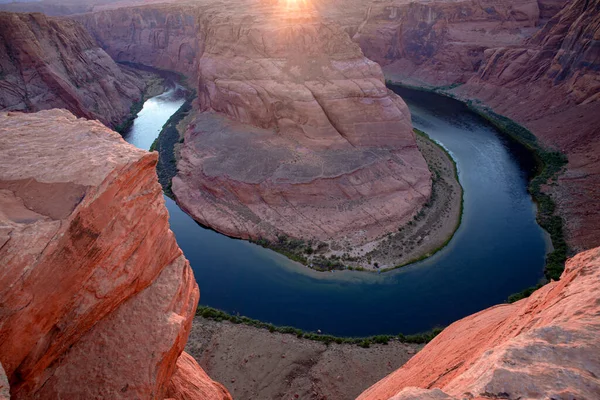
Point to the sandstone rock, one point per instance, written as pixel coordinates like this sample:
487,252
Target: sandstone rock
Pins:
190,382
545,346
54,63
4,386
162,36
441,43
335,157
97,299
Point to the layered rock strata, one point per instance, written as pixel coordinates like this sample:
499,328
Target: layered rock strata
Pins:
542,347
443,42
298,134
314,145
96,298
54,63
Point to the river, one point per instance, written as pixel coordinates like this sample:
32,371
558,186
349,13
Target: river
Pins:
499,249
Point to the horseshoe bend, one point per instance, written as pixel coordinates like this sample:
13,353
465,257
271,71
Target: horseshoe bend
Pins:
297,125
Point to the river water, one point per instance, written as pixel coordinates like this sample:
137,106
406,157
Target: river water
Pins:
498,249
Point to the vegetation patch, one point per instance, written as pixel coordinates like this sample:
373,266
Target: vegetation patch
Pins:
219,315
166,168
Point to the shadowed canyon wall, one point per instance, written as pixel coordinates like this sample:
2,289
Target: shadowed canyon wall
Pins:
54,63
542,347
97,299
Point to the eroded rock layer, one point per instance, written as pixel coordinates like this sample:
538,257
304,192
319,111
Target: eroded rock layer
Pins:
54,63
96,297
542,347
298,135
443,42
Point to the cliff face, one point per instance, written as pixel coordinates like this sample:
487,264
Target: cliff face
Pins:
54,63
542,347
298,135
93,284
552,86
162,36
441,43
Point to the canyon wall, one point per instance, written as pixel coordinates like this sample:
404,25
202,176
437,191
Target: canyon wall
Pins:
443,42
297,133
54,63
507,56
542,347
552,86
162,36
96,298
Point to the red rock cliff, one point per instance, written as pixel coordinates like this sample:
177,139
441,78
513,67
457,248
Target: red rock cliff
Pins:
96,298
542,347
54,63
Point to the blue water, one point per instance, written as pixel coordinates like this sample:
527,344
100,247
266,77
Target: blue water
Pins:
498,249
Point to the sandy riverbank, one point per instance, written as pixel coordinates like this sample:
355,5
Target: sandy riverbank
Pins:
254,363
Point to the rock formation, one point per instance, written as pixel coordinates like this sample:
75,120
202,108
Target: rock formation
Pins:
161,36
54,63
96,298
542,347
306,140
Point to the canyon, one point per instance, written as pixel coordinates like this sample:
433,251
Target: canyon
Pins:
296,134
93,282
534,62
48,63
293,134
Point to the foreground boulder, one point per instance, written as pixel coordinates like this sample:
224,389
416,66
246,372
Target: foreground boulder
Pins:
542,347
96,298
54,63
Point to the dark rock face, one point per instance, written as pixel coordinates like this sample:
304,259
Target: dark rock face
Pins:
54,63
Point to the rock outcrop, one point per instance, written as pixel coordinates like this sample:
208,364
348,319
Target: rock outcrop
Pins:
48,63
96,298
542,347
335,156
298,135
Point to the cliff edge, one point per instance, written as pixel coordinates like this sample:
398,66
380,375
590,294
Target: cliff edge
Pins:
542,347
96,298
